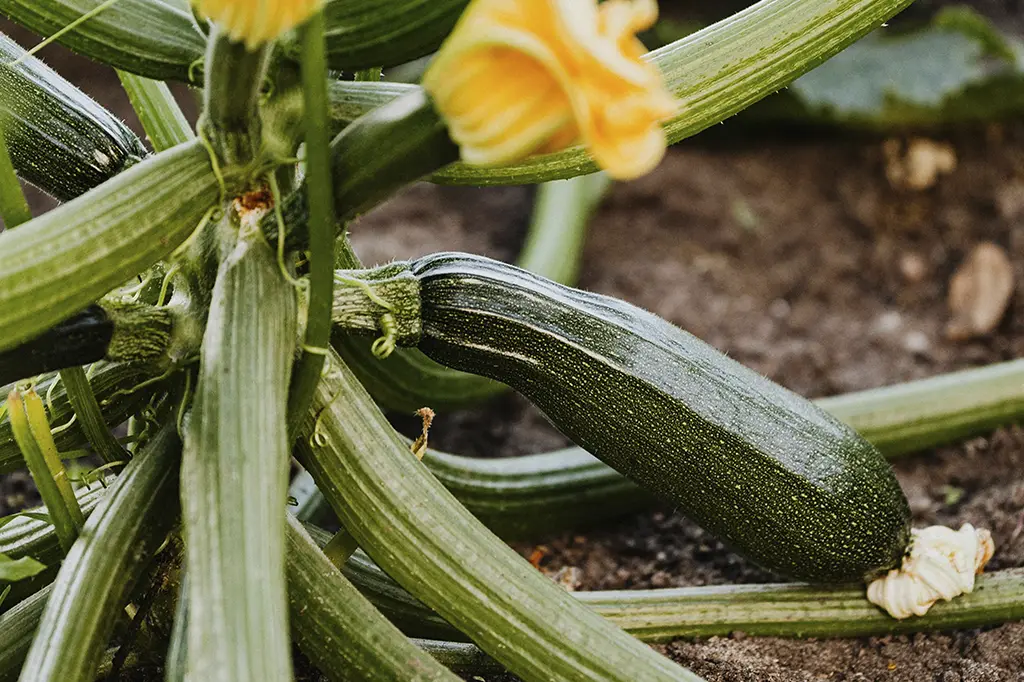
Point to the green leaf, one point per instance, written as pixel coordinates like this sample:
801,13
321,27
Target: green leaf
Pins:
13,570
959,68
922,69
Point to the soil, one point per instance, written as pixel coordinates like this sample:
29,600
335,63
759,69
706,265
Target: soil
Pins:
800,259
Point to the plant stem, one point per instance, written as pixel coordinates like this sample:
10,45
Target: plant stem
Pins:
32,431
17,630
561,213
320,199
440,552
371,75
91,418
159,113
25,536
339,630
234,78
340,548
81,250
235,473
99,573
777,610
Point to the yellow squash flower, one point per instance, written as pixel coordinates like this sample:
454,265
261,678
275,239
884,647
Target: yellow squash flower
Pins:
257,21
518,77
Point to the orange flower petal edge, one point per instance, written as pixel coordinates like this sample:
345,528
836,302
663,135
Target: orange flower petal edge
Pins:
257,21
520,77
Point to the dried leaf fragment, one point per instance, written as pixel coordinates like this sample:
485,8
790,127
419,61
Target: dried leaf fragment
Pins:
979,292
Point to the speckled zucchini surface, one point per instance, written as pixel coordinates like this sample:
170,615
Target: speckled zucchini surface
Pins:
765,470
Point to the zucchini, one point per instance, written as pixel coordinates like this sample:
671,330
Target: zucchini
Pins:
60,140
150,38
78,340
112,330
372,33
768,472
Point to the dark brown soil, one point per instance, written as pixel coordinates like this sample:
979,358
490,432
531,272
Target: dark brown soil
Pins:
800,260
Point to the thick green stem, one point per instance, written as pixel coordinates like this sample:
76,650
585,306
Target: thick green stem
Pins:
421,535
17,630
91,418
320,199
37,538
781,610
561,212
99,573
340,631
67,258
159,113
234,79
149,37
235,473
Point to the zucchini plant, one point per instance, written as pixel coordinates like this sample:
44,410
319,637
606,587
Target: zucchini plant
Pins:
205,292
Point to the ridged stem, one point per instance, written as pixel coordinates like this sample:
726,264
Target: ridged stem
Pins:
234,78
149,37
779,610
339,630
421,535
17,630
83,400
235,474
67,258
158,112
99,573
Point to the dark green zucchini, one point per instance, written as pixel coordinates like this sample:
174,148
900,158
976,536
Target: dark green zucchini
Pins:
765,470
151,38
78,340
60,140
119,331
366,33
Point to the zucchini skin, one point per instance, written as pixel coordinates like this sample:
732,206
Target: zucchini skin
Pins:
766,471
81,339
60,139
